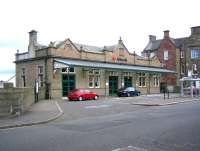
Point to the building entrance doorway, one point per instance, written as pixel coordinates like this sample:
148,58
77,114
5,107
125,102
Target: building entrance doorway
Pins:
163,87
127,82
113,85
68,83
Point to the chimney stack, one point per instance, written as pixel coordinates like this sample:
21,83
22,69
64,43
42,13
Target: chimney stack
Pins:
32,43
152,38
120,40
195,30
166,34
33,37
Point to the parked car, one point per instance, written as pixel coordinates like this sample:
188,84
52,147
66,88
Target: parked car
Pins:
129,91
82,94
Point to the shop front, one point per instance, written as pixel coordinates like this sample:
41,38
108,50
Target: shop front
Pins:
106,78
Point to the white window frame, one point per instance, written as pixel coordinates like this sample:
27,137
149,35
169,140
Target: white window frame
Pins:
41,76
182,54
156,81
97,81
194,68
68,70
166,55
41,80
127,74
91,81
195,53
94,80
141,79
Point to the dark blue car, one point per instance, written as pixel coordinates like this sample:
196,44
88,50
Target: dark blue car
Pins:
129,91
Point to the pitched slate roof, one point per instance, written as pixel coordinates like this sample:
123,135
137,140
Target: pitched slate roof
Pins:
88,48
154,45
179,41
107,65
110,48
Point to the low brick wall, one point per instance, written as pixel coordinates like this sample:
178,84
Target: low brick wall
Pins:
16,99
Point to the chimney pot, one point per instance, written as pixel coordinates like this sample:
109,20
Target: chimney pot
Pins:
195,30
152,38
166,34
120,40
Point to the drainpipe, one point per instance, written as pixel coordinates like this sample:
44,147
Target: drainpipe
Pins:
105,82
149,84
46,78
47,84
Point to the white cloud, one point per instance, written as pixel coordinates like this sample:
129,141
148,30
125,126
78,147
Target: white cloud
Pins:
92,22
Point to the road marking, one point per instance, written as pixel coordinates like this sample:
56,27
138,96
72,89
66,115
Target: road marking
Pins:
130,148
97,106
121,103
58,106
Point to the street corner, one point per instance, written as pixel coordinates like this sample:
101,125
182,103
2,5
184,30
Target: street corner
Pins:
36,116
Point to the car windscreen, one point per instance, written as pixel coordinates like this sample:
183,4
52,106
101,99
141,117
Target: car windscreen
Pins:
130,89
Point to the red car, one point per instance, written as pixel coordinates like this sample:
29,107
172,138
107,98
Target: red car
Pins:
82,94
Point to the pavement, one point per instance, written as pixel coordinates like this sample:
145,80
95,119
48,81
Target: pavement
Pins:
48,110
160,100
39,113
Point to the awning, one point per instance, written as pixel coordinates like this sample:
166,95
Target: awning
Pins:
110,66
189,79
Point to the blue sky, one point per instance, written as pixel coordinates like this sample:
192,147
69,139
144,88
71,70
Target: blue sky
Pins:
8,71
10,44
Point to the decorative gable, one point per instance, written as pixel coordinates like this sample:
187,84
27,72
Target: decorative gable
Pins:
120,53
67,49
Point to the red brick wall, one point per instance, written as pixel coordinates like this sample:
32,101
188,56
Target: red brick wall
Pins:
170,64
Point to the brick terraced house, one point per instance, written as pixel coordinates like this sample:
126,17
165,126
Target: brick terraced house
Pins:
168,52
64,65
181,55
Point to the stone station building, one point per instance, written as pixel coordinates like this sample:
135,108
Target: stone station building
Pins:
63,66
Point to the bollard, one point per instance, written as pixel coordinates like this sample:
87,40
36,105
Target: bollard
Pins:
11,108
164,94
168,94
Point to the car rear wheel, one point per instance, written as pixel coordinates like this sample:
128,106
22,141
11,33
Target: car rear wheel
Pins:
80,98
96,97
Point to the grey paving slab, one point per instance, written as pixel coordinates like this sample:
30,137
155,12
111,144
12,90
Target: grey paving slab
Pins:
41,111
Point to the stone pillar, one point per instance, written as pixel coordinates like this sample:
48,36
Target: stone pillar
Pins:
106,82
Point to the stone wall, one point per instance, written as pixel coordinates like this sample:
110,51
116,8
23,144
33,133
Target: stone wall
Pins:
14,100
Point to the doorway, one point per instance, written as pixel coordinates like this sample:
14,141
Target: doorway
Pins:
68,83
